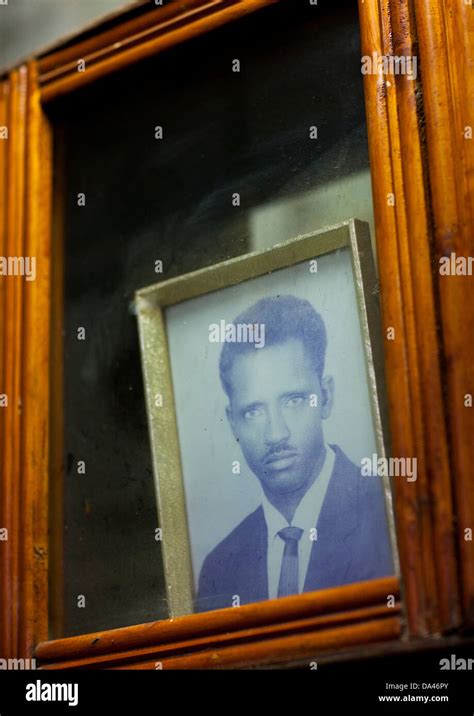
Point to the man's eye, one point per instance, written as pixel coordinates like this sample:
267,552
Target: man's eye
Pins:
252,413
294,401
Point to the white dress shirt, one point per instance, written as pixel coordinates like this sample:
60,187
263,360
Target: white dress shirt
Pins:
306,518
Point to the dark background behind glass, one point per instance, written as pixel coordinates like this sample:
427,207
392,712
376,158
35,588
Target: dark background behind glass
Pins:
171,199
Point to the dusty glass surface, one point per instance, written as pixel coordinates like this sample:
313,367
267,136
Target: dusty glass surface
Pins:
174,200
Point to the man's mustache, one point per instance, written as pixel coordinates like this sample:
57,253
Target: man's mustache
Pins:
275,449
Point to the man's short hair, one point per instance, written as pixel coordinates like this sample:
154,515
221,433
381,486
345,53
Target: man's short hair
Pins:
285,318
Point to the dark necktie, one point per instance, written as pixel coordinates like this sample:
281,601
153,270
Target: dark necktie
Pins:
289,564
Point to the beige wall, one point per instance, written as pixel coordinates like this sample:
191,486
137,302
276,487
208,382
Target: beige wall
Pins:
27,26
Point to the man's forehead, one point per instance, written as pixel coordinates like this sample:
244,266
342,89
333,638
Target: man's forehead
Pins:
291,349
277,365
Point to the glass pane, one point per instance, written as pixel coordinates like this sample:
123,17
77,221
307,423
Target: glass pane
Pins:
174,164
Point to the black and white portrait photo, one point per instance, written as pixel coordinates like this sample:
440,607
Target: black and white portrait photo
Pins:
273,413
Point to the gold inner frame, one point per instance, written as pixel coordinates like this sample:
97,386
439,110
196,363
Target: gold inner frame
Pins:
150,304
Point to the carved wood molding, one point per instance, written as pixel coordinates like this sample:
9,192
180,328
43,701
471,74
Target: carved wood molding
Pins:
395,107
446,41
133,40
25,326
263,633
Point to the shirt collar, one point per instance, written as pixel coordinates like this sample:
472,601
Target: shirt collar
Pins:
307,512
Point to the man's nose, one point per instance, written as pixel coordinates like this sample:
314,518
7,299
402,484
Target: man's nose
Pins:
276,429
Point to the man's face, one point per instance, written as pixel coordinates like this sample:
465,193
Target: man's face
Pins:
276,410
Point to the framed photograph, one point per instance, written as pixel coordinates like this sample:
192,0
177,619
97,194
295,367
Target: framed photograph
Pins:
264,390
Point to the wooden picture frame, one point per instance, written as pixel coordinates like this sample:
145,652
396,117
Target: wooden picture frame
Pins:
420,157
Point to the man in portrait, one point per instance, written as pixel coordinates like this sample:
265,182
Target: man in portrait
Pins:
320,522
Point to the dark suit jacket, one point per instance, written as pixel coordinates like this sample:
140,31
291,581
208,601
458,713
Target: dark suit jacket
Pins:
352,544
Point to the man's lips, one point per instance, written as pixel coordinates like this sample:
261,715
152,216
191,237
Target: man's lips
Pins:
282,456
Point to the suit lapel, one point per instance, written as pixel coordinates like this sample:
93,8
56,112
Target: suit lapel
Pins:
331,554
253,567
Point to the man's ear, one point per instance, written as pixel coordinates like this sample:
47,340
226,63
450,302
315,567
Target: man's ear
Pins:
327,389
